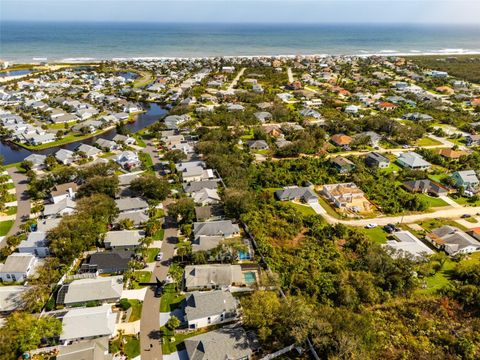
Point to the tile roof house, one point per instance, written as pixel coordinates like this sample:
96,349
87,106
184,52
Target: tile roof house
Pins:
412,160
123,240
104,289
88,323
452,240
230,343
199,277
451,154
17,267
341,140
205,308
304,194
467,178
425,186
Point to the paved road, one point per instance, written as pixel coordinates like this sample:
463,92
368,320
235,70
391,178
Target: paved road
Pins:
150,320
235,80
23,201
450,213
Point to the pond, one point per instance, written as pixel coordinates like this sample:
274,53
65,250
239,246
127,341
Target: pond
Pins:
13,153
129,75
15,72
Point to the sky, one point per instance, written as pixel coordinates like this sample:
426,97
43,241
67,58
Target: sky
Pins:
246,11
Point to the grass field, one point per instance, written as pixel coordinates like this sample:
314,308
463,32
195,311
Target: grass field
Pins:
5,227
140,276
377,235
151,253
328,208
303,209
170,299
131,346
136,310
433,201
426,141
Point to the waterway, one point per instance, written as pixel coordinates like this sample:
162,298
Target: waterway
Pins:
13,153
15,73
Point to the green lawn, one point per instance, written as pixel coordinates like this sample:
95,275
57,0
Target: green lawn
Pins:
5,227
136,310
431,224
466,201
303,209
139,139
144,79
147,161
377,235
169,347
171,299
439,280
12,210
433,201
151,253
159,235
140,276
131,346
327,207
426,141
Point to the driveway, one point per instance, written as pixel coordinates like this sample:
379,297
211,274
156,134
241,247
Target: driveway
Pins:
150,320
23,201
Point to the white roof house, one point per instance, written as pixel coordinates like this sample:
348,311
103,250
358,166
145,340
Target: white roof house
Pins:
125,239
35,244
17,267
197,277
11,297
413,161
88,323
105,289
406,242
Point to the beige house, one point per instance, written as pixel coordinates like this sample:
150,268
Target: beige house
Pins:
346,197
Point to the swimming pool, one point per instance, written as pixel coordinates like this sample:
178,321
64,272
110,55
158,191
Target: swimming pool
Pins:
250,277
244,255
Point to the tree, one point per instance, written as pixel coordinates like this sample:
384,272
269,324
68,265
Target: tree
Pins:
22,332
237,202
175,156
151,187
183,210
99,185
173,323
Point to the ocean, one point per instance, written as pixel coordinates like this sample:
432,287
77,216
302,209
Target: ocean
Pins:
27,41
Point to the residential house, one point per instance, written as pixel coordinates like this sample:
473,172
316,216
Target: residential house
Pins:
127,140
88,323
263,116
341,140
231,343
11,298
17,267
123,240
257,144
88,150
138,218
196,186
425,186
375,159
472,140
206,197
346,196
95,349
452,240
63,191
128,160
129,204
37,161
452,154
35,244
304,194
405,243
107,145
475,232
352,109
99,289
467,179
63,207
412,160
223,228
205,308
213,276
342,164
209,213
107,262
65,157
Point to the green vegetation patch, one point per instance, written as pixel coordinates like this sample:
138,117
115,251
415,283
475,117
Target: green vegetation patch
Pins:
5,227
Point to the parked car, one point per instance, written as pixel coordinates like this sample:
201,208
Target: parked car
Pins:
466,216
371,226
389,229
159,256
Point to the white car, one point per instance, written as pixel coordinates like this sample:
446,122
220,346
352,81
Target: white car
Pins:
159,256
371,226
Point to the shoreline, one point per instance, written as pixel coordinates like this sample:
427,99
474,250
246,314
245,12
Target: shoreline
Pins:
386,52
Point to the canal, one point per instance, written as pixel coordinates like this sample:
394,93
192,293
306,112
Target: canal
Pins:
13,153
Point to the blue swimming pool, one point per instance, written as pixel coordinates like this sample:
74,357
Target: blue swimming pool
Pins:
250,277
244,255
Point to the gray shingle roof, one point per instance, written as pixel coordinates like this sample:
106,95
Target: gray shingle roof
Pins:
201,304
